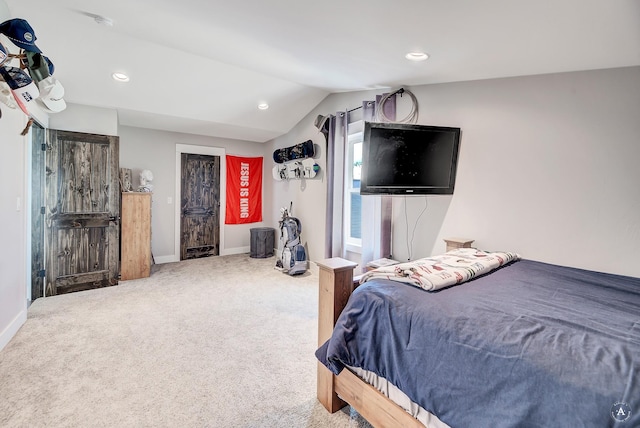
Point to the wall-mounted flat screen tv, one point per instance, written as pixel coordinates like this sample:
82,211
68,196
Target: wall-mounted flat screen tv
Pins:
404,159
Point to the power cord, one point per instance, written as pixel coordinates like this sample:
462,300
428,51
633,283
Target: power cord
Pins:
406,222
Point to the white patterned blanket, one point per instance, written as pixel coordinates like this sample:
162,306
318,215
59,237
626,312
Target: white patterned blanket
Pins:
451,268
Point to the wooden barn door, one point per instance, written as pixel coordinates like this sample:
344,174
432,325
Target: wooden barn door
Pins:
82,211
38,148
200,206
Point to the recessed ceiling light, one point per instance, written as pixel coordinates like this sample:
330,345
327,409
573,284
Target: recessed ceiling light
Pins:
416,56
263,106
120,77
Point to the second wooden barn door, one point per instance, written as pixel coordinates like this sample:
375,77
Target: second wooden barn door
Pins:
200,206
82,211
38,150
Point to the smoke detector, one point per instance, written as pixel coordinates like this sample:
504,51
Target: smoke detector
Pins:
103,20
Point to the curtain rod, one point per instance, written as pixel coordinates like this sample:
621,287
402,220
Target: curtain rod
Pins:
398,91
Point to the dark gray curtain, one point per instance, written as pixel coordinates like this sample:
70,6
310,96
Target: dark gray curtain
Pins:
335,185
376,210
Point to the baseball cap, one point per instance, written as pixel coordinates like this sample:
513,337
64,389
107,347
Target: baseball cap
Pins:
51,95
6,97
4,54
52,68
20,33
22,87
37,65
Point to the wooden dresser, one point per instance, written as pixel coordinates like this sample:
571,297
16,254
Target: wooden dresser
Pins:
135,235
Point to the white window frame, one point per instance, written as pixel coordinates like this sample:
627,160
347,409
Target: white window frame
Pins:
355,133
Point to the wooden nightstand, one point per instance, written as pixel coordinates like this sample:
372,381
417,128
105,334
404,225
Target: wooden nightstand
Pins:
356,280
455,243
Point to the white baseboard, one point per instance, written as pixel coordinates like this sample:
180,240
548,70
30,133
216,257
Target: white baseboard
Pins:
13,327
174,258
238,250
166,259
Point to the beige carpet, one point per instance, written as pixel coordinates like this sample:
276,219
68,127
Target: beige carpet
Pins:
216,342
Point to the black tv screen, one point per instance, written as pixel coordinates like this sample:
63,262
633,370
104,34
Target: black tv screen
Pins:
408,159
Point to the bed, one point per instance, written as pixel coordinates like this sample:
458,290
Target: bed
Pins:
528,344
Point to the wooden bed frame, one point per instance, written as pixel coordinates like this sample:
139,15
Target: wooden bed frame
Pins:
336,285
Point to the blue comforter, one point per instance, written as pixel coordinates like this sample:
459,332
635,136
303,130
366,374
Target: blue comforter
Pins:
530,345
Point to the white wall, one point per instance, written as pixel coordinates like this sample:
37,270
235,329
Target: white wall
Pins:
156,151
307,195
13,209
548,168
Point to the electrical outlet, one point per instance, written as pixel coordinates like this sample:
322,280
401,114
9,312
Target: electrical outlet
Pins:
169,200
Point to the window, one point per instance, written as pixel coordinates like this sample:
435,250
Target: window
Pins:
353,167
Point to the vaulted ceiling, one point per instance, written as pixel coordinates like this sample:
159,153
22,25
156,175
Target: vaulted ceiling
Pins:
203,66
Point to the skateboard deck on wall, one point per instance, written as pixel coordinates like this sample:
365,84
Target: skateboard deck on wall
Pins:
306,168
299,151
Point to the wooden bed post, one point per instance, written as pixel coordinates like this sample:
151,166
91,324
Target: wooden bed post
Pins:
336,285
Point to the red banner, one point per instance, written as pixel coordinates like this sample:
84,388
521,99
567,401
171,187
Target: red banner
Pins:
244,190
